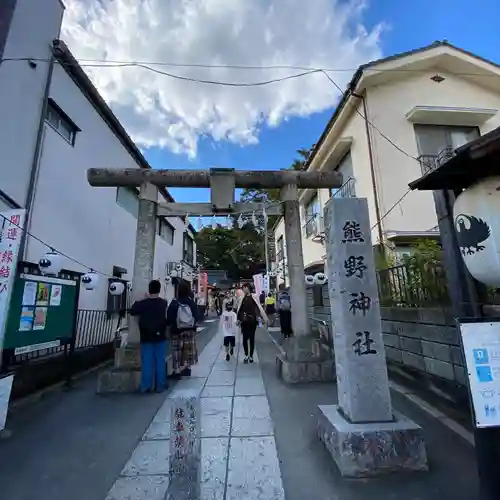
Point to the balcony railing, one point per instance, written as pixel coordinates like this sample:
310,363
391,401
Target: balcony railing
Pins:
346,190
312,225
428,163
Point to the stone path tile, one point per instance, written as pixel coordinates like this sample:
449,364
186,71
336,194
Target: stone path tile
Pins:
261,480
237,443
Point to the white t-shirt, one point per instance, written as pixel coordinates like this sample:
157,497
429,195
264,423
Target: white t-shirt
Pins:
227,323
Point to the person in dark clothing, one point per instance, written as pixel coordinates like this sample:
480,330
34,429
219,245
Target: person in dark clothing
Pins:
262,298
285,314
151,313
248,313
181,319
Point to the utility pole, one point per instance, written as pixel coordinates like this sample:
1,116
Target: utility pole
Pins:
300,363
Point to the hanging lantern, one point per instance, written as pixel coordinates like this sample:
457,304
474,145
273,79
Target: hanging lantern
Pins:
51,263
320,279
116,288
309,279
90,280
168,280
477,224
174,273
178,267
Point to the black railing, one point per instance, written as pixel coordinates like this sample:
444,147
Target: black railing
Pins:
428,163
413,286
312,225
93,329
344,191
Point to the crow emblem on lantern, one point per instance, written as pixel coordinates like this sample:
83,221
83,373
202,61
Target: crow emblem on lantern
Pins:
471,232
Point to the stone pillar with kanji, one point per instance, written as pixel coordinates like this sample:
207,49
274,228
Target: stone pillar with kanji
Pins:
363,433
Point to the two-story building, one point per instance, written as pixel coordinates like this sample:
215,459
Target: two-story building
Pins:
55,125
396,116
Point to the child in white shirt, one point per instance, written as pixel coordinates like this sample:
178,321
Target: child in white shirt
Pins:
228,326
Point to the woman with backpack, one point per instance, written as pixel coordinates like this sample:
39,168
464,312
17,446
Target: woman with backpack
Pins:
285,314
249,311
181,319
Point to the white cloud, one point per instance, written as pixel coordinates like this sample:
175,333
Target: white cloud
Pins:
160,111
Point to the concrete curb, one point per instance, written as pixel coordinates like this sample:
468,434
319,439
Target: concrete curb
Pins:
417,400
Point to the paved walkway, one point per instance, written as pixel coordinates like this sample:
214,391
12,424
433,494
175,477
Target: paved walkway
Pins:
239,458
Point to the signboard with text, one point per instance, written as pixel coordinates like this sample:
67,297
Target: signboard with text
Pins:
11,225
481,344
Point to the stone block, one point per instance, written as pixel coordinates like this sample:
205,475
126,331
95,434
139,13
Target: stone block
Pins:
436,351
372,449
303,348
457,356
413,360
391,340
393,354
439,368
118,381
128,357
411,345
297,372
460,375
185,449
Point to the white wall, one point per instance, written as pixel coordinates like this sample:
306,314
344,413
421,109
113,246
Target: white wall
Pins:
394,170
83,222
22,89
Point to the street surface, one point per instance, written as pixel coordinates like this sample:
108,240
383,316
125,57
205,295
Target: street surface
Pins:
258,441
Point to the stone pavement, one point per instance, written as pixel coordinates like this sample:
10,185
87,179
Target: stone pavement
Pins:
259,441
238,451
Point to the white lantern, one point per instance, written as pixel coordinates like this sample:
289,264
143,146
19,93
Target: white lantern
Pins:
477,223
168,280
174,273
129,286
320,279
116,288
90,280
51,263
178,267
309,280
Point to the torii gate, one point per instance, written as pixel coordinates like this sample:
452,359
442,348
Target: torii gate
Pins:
222,183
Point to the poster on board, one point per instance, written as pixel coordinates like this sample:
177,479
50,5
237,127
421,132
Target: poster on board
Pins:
5,390
481,344
26,319
40,318
55,295
42,296
29,293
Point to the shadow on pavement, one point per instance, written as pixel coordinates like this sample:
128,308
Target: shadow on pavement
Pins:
308,471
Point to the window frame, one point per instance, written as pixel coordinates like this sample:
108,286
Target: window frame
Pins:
134,191
311,222
348,184
317,296
185,250
59,121
162,221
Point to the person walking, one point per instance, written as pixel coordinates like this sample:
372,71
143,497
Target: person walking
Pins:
271,308
249,311
285,314
181,319
151,314
228,327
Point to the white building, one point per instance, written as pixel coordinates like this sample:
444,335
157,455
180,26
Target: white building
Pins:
417,104
55,126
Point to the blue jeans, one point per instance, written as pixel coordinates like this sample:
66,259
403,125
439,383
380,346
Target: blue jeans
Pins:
153,363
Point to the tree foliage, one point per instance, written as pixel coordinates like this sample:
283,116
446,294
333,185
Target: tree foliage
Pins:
240,252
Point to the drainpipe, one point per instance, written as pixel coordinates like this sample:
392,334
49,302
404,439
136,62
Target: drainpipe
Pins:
372,171
35,165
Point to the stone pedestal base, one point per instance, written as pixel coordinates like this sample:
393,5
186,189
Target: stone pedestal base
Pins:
372,449
305,359
125,376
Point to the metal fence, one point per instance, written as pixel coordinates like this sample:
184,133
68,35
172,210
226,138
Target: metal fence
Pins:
413,286
93,328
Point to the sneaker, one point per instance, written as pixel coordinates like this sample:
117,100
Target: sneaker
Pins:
245,361
251,360
228,357
232,351
186,372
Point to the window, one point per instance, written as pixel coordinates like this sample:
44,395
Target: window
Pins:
281,249
61,122
128,199
345,168
188,249
312,216
434,139
166,231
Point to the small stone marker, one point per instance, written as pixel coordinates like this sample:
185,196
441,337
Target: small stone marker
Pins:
185,449
363,434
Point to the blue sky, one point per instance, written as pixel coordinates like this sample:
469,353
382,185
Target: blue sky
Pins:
470,25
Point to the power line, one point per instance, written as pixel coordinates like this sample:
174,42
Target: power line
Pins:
392,208
103,63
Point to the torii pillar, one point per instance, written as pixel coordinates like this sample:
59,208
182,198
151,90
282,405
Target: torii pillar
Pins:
304,358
